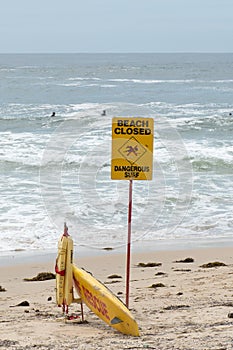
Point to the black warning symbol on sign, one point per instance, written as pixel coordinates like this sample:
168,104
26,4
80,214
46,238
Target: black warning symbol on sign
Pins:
132,150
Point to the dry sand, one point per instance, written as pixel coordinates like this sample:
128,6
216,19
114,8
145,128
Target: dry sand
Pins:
177,305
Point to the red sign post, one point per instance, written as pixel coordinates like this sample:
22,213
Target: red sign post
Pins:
129,241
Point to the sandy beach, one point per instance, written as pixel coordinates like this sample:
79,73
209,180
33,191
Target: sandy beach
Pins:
178,304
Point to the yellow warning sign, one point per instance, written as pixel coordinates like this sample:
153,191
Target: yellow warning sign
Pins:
132,148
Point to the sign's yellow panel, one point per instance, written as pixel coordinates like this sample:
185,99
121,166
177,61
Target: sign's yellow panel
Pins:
132,148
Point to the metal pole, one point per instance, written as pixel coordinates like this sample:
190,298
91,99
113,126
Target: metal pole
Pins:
129,242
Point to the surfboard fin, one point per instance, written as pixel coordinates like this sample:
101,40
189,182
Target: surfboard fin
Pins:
116,320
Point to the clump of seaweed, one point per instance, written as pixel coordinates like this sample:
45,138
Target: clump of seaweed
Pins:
114,276
7,343
42,276
157,285
176,307
150,264
213,264
160,273
23,303
186,260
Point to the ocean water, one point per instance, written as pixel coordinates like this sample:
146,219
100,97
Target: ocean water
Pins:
57,169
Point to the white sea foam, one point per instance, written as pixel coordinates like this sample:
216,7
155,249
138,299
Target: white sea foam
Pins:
58,169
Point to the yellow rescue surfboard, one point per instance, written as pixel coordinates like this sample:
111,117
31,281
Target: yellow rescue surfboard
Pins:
104,303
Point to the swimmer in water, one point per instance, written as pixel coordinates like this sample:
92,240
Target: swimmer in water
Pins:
53,114
104,112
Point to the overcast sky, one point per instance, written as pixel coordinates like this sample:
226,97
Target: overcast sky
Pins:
116,26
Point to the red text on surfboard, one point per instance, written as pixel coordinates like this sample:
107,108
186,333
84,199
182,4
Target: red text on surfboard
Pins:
92,300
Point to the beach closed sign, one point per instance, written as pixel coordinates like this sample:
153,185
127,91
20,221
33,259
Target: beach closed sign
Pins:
132,148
